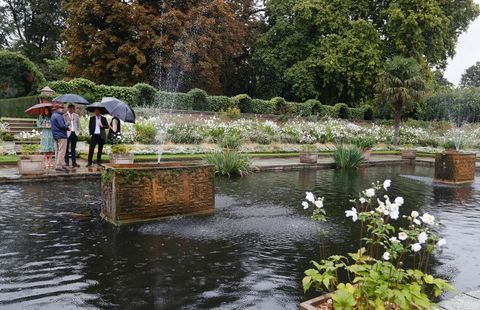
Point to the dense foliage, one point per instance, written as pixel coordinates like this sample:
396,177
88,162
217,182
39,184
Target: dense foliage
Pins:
455,105
332,50
229,163
20,76
471,77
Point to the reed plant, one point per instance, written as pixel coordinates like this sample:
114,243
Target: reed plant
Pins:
348,157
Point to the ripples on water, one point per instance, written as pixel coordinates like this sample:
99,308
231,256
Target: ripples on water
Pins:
251,253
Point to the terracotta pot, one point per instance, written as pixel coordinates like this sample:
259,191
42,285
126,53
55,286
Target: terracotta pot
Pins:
121,159
409,154
31,164
308,157
453,167
317,303
367,154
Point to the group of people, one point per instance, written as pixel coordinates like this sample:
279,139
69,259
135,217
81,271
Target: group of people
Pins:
60,131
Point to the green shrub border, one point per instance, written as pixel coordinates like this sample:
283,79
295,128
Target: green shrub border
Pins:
198,100
15,107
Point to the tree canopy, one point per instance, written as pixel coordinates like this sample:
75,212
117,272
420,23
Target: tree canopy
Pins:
471,77
316,48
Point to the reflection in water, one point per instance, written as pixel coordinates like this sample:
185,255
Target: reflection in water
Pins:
250,254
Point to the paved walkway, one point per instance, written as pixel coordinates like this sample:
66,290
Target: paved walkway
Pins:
9,173
463,301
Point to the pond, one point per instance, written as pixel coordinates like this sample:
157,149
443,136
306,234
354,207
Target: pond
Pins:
56,254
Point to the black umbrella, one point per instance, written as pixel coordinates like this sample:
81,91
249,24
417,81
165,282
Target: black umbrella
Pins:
97,105
71,98
118,108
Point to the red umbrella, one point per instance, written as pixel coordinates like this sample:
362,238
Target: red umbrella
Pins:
38,108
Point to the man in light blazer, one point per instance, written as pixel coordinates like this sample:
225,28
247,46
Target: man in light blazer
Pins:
73,122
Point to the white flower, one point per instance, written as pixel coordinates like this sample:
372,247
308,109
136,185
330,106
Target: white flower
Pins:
386,256
370,192
352,213
422,237
305,205
386,184
309,197
319,203
414,214
441,242
399,201
394,212
394,240
362,200
416,247
380,208
428,219
417,221
402,236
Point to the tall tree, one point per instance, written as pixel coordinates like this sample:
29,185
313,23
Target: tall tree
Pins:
174,45
400,83
32,27
293,61
471,77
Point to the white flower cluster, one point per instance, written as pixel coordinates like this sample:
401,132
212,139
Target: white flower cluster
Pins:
29,135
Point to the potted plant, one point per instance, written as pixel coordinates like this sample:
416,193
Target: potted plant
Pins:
365,144
121,154
409,152
309,154
452,146
388,271
30,161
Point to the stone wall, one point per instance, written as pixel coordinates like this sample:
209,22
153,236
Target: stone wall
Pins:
135,193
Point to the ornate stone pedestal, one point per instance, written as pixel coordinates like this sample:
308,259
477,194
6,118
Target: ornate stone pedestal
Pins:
145,192
454,168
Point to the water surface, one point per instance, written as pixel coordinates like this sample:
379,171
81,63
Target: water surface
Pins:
56,254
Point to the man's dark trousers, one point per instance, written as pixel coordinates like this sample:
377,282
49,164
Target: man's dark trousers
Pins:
71,148
96,140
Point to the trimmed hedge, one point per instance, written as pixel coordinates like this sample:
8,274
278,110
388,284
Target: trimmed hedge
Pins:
15,107
198,100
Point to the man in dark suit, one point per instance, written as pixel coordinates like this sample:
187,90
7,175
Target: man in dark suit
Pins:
98,136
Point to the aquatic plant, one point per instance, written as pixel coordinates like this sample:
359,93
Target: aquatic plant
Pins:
229,163
376,271
348,157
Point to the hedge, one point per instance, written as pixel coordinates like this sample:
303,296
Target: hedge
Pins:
15,107
198,100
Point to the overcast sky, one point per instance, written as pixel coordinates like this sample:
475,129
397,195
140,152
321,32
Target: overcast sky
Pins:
468,52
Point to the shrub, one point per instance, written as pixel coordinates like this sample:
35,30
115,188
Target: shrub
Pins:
310,107
199,99
244,103
121,149
280,105
367,112
364,142
232,142
20,76
229,163
184,133
260,106
348,157
167,100
356,113
219,103
146,132
15,107
146,94
230,114
328,111
30,149
342,110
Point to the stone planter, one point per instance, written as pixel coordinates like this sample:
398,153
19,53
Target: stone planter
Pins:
31,164
308,157
409,154
121,159
454,168
317,303
145,192
366,154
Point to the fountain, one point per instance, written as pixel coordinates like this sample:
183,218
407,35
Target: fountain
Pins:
134,193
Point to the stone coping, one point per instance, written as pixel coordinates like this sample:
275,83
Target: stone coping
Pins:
463,301
9,173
